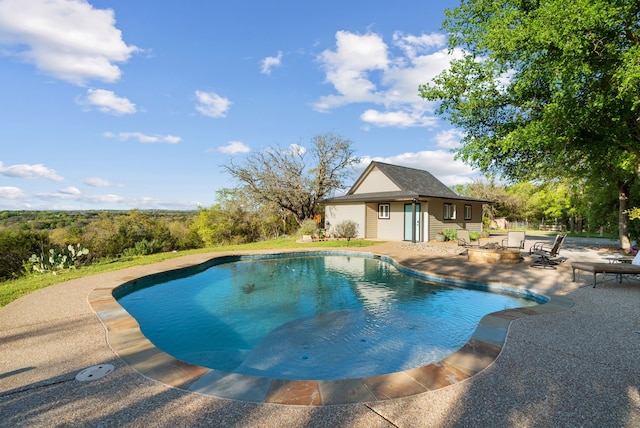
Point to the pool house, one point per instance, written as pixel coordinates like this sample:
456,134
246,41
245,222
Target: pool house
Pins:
397,203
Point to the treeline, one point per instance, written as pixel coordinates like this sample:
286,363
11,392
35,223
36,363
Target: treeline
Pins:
577,205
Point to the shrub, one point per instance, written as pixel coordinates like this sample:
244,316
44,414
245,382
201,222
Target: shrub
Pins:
346,229
451,234
15,249
308,227
186,237
111,234
143,248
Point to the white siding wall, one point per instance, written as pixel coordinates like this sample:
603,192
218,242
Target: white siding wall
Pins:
376,181
424,222
392,229
335,214
371,221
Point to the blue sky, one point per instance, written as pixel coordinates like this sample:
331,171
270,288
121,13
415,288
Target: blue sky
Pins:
138,104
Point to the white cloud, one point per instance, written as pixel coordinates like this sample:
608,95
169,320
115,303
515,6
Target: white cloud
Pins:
296,149
440,163
269,62
153,203
56,196
144,138
234,147
364,69
398,119
71,198
71,190
402,80
98,199
108,102
8,192
30,171
348,67
74,194
212,104
415,45
449,139
67,39
97,182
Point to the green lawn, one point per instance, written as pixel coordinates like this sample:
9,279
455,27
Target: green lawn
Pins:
14,289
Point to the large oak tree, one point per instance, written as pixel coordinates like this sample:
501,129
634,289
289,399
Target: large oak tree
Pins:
546,89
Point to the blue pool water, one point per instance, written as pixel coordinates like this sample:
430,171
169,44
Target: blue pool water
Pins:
321,317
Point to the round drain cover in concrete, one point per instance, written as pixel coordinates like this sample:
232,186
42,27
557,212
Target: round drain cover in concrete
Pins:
95,372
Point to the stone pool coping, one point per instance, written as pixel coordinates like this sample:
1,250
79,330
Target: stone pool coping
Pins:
126,339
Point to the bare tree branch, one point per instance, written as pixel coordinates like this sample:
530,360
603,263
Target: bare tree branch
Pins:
297,179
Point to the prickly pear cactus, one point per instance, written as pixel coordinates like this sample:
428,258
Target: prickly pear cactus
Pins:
57,260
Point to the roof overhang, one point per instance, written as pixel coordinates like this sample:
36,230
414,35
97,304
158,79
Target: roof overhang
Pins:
394,197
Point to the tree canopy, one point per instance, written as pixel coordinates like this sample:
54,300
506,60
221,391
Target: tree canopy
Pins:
545,89
296,179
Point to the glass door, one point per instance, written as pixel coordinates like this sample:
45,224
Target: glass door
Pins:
409,225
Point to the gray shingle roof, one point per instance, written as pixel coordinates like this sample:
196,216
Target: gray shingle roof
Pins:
413,183
416,181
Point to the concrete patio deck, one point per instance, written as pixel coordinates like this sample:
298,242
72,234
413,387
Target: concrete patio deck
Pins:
578,367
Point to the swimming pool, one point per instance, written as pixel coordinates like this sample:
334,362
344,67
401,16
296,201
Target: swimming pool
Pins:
318,316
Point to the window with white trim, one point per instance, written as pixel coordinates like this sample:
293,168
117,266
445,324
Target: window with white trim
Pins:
467,212
449,211
384,211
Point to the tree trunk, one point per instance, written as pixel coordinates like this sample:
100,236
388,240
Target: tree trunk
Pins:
580,224
623,217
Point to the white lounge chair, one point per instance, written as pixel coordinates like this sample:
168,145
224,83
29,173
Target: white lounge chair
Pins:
514,239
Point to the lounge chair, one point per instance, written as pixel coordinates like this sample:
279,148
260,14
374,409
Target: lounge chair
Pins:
464,240
546,253
618,269
514,239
